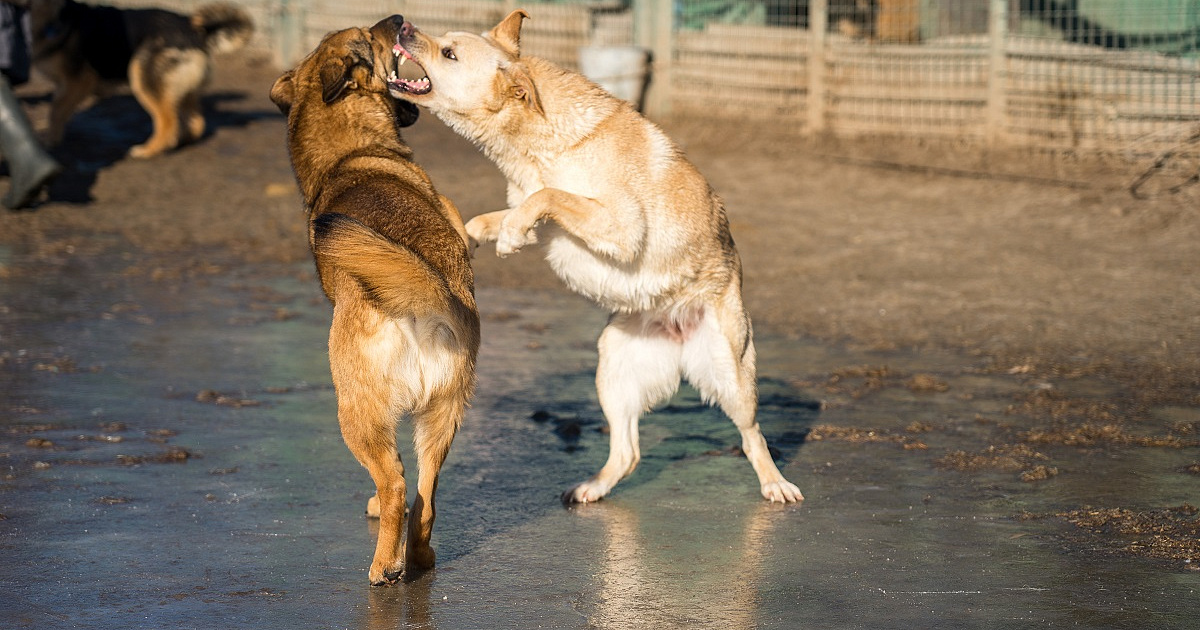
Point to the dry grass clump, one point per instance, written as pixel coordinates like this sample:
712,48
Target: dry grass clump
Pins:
859,381
859,435
1018,458
1171,533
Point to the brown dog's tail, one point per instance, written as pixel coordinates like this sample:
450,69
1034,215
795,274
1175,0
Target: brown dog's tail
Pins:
395,279
225,25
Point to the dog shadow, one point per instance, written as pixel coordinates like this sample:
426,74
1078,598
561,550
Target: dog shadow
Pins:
687,427
102,135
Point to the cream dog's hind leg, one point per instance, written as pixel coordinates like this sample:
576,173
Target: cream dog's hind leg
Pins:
636,370
718,360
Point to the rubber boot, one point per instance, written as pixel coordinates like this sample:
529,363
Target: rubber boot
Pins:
30,168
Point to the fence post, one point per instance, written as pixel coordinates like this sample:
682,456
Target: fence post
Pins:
818,27
653,29
997,71
290,24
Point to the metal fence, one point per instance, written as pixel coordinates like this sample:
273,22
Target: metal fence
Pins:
1103,75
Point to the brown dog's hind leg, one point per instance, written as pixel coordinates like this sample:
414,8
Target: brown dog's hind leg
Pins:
371,438
433,432
368,423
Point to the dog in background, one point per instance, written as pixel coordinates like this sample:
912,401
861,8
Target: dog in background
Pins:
393,260
164,57
627,221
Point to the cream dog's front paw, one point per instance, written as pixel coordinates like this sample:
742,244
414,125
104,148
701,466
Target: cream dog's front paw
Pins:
513,237
485,228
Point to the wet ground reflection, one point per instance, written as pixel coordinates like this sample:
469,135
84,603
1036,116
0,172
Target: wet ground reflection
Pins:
260,524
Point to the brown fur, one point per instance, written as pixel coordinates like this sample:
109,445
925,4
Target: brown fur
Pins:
164,58
624,219
392,257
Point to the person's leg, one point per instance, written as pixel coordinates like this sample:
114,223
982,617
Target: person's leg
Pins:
30,168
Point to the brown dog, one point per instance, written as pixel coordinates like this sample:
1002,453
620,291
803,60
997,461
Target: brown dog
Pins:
392,257
163,56
625,220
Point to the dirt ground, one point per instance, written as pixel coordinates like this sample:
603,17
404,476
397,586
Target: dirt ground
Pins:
1035,263
1042,267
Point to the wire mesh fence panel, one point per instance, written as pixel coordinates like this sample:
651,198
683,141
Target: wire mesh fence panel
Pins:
325,16
1118,76
442,16
746,70
1062,74
1103,75
556,32
901,88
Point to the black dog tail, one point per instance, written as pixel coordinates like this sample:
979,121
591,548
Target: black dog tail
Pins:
226,26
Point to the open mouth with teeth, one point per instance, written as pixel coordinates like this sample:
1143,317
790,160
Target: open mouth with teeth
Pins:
408,77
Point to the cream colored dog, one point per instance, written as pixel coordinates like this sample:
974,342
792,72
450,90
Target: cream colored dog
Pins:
626,221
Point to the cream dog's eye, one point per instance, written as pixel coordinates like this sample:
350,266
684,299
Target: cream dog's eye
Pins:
449,54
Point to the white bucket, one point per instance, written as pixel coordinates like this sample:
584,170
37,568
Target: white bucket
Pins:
621,70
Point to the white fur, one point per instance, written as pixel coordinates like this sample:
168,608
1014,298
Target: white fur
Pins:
625,220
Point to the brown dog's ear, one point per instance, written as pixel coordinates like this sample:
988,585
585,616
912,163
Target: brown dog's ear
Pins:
508,32
406,113
335,78
283,93
524,89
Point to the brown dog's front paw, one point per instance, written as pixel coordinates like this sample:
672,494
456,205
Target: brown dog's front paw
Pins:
380,576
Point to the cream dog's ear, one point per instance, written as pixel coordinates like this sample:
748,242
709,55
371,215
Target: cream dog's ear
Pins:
283,93
508,32
524,89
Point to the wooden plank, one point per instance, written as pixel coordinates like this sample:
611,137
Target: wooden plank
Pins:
441,16
685,96
721,45
896,92
780,35
899,120
952,54
732,71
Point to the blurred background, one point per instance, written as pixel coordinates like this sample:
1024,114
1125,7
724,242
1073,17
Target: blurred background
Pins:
1119,77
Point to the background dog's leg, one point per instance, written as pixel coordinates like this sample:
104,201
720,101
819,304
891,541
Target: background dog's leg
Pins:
433,431
637,369
193,119
166,128
68,96
160,104
718,359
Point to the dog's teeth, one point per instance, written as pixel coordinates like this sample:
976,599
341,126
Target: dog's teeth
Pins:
392,77
402,58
